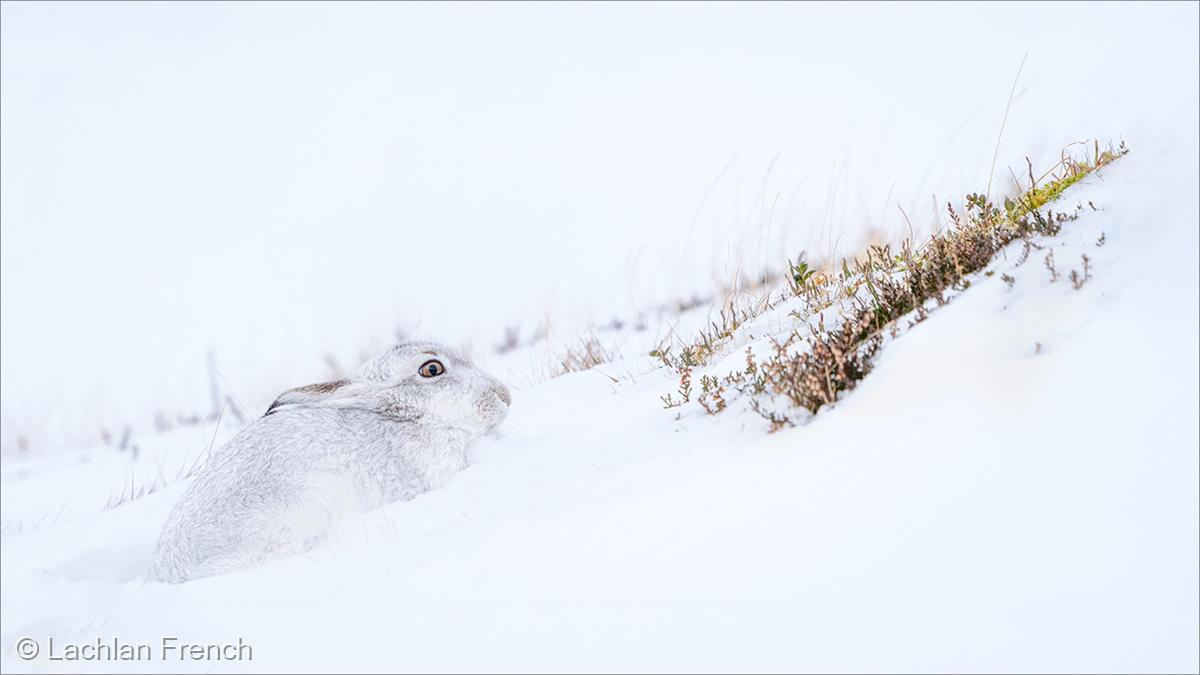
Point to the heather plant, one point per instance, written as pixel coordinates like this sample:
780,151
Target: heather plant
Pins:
822,359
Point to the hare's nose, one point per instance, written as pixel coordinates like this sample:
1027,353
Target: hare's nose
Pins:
503,393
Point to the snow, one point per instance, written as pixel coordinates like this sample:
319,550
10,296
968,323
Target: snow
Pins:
1015,487
273,184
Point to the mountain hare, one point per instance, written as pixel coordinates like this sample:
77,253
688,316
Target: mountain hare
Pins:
400,428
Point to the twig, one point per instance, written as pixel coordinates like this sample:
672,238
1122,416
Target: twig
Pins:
1003,123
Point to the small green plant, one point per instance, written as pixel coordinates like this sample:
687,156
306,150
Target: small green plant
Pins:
800,273
685,390
712,394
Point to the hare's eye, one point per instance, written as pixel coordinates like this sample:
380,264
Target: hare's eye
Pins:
431,368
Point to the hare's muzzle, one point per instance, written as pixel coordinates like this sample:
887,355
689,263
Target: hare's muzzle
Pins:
492,404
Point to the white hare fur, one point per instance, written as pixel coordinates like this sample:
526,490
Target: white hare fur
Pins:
326,451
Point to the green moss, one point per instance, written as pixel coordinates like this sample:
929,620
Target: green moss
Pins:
1041,195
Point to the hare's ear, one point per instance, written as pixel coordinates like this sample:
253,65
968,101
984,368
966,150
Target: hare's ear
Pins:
312,394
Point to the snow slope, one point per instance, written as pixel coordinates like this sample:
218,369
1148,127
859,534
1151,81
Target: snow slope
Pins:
978,503
1015,487
272,183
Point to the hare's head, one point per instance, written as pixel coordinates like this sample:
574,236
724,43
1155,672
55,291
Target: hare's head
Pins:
413,381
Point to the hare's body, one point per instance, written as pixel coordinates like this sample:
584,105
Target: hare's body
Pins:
287,482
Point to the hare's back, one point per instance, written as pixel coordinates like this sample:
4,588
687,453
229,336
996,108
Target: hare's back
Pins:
263,493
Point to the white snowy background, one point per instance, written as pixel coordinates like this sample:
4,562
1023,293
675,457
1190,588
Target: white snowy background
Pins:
208,202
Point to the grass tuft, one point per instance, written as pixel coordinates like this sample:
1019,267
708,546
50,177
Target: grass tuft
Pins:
588,354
